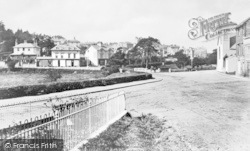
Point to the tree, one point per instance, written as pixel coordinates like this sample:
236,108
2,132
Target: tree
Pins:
145,49
119,58
182,59
45,43
212,58
199,61
8,37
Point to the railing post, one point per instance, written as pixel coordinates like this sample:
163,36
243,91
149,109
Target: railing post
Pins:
90,116
108,109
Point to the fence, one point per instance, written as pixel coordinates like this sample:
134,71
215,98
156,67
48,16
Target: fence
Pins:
145,70
73,122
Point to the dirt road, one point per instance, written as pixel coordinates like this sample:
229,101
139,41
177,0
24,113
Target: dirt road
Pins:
209,110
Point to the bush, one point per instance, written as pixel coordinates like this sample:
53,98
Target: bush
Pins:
110,70
11,64
53,75
29,90
167,67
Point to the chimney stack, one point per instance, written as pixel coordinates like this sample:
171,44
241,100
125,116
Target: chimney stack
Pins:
35,42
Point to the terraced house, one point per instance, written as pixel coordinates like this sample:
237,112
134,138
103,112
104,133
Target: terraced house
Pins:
243,48
64,55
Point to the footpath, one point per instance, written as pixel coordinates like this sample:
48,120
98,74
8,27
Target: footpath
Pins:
14,110
45,97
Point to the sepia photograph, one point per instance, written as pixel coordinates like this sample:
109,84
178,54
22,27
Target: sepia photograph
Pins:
124,75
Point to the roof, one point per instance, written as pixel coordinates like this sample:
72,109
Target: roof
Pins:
242,23
74,40
226,26
96,47
26,45
101,48
44,58
65,47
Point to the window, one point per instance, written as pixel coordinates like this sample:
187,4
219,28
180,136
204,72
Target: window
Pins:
69,55
23,49
74,55
56,56
29,49
17,49
61,56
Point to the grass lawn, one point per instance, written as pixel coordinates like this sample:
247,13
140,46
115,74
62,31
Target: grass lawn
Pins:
11,79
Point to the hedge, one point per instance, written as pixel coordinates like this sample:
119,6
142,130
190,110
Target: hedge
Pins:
31,90
37,70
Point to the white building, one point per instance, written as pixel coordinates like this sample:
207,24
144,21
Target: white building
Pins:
243,48
61,56
97,55
25,52
65,56
226,52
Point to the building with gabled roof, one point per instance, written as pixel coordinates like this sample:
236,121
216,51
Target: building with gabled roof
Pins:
97,55
63,55
25,53
243,48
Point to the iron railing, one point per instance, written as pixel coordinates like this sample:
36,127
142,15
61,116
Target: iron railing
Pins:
73,122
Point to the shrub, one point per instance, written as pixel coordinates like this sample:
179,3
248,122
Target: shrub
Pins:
244,74
110,70
29,90
11,64
167,67
53,75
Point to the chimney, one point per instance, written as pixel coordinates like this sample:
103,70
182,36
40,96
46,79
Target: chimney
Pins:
35,42
16,43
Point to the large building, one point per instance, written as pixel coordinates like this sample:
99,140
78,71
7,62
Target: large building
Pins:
167,50
25,53
61,56
226,49
58,40
73,42
243,48
98,55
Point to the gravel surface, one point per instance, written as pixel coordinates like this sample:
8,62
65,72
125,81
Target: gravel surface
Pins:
207,110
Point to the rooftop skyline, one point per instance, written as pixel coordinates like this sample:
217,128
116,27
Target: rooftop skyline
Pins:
118,20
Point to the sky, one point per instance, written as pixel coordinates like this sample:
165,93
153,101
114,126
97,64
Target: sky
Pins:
118,20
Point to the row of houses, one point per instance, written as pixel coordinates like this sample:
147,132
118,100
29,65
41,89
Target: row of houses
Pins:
233,53
66,53
233,49
168,50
